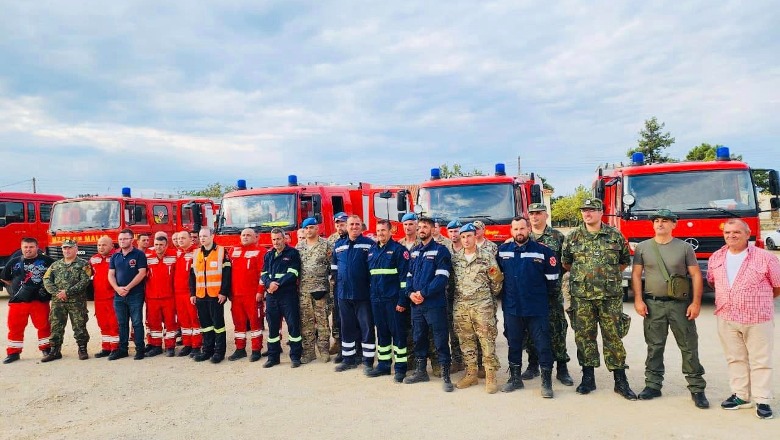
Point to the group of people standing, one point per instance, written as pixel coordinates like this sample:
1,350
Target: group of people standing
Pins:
424,296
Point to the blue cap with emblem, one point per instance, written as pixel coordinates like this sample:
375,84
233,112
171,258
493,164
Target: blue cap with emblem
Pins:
454,224
408,216
468,227
311,221
340,217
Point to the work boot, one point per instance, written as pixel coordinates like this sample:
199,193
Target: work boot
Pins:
547,391
481,372
185,351
515,381
255,356
170,352
202,356
398,377
270,363
295,363
445,376
45,351
436,370
339,358
419,374
216,358
588,383
308,358
562,374
469,379
53,355
457,366
347,364
117,354
195,352
13,357
238,354
154,351
621,385
83,355
380,370
531,371
102,353
335,348
491,386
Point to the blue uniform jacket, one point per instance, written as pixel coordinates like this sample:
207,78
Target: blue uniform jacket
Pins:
284,268
388,266
530,272
350,261
429,272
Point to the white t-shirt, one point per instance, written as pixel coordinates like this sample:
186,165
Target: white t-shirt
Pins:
733,263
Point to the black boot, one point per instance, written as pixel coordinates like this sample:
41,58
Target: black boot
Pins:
419,374
588,383
532,370
238,354
102,353
255,356
83,355
562,374
53,355
445,376
547,391
515,381
185,351
621,385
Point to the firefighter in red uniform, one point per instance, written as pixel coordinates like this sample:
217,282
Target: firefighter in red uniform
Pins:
247,263
161,264
185,311
104,297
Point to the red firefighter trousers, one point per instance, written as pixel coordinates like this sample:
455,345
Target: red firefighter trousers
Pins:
18,315
245,309
109,327
159,311
188,320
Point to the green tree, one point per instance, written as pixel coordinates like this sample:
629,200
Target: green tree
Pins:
214,190
652,142
457,171
545,184
706,152
567,208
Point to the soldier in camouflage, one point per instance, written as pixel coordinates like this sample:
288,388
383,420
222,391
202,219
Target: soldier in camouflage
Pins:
483,242
477,282
553,239
314,286
67,280
596,254
340,220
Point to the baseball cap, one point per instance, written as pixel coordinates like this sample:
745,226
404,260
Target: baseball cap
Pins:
340,217
479,224
592,204
408,216
536,207
454,224
664,213
68,243
311,221
468,227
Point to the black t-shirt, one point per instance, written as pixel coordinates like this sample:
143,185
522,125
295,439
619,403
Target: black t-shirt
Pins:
26,277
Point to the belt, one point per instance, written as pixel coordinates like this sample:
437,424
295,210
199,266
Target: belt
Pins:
658,298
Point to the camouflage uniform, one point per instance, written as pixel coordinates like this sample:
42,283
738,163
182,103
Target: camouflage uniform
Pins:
331,303
477,284
489,246
553,239
315,267
73,278
596,293
444,241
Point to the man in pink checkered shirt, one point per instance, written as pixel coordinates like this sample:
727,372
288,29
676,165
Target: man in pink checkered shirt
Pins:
746,281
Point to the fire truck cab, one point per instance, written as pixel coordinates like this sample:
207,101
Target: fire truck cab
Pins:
23,215
493,199
286,207
87,219
702,194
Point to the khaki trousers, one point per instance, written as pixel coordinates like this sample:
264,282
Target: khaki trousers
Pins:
748,350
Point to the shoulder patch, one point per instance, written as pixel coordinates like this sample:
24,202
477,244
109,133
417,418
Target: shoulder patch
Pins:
553,261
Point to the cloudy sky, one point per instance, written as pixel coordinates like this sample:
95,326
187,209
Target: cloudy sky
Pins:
163,96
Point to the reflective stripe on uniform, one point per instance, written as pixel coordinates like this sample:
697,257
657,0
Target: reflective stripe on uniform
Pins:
219,330
295,338
384,271
207,329
446,273
273,340
531,255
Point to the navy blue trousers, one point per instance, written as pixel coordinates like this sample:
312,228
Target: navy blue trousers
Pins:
285,305
538,327
391,336
357,324
435,317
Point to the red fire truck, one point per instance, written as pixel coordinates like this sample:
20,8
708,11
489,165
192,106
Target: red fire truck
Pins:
23,215
493,199
87,219
285,207
702,194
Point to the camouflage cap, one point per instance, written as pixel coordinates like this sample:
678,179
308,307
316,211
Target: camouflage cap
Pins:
479,224
69,243
536,207
592,204
664,213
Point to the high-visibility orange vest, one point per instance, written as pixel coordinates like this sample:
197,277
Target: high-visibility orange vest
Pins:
208,272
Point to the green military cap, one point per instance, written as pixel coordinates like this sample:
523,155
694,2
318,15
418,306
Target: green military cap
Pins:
592,204
664,213
536,207
68,243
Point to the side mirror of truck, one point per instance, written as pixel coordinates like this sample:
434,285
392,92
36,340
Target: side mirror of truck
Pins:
400,201
598,190
536,193
774,203
774,182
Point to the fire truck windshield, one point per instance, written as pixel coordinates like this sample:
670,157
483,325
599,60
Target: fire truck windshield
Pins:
491,203
85,214
264,211
710,193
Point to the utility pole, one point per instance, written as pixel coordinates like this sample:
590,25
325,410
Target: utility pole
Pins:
519,168
34,189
